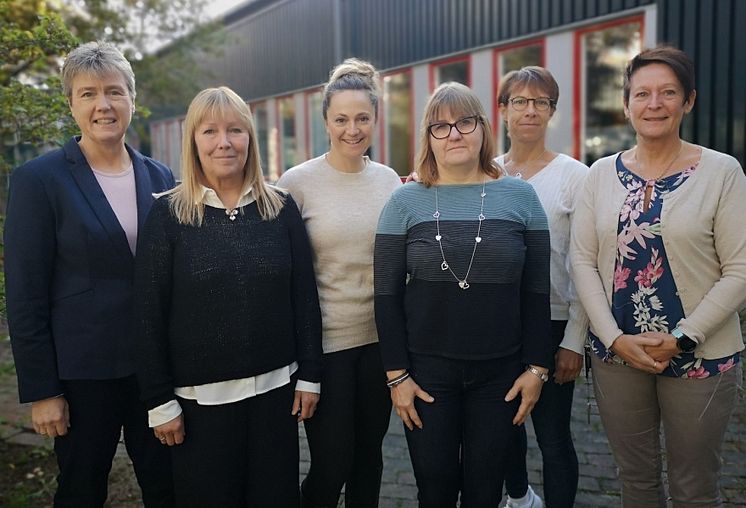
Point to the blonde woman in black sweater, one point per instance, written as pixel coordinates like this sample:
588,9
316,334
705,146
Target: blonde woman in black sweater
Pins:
228,318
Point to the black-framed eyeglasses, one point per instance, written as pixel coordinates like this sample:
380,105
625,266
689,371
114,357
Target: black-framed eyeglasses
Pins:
540,103
466,125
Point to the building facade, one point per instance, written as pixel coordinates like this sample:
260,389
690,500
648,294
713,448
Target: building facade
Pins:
281,52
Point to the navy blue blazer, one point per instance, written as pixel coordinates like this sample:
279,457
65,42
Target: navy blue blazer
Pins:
69,271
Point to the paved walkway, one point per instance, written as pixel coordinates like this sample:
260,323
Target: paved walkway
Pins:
598,484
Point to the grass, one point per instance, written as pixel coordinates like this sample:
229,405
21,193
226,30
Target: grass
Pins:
27,478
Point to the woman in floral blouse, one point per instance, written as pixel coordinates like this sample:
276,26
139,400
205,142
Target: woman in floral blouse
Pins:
659,261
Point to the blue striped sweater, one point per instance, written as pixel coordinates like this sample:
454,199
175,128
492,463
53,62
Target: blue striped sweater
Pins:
420,307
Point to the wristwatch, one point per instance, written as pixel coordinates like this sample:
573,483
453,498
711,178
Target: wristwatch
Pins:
685,343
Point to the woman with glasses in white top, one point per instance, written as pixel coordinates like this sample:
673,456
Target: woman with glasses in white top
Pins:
528,99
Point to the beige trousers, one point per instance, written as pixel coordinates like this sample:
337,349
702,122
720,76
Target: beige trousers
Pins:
694,414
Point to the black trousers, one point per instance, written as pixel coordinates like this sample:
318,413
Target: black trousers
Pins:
346,433
467,431
99,409
551,420
243,454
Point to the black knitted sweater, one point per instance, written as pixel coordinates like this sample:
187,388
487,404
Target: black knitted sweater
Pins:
226,300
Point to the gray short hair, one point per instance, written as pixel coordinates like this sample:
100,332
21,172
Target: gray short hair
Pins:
96,58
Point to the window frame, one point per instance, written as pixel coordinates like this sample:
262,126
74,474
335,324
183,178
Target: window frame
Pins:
280,131
383,137
579,68
307,118
497,73
433,66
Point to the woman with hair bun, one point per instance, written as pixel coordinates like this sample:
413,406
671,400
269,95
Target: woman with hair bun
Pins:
340,195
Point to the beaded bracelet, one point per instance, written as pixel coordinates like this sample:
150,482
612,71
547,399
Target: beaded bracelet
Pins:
397,380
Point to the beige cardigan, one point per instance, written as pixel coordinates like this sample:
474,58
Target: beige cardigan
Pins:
703,225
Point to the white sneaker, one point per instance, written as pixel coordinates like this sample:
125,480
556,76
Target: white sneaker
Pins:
530,500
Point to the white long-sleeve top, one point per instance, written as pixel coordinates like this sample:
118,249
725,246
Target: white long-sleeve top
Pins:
558,186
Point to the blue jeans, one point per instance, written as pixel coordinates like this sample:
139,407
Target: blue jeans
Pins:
467,430
551,420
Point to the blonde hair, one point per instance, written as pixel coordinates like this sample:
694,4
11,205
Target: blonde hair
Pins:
460,101
185,199
352,74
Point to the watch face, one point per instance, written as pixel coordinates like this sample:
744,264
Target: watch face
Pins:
686,344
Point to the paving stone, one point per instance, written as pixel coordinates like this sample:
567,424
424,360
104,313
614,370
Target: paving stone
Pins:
31,439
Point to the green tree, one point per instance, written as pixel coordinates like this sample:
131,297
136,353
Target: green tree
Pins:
161,38
33,111
35,35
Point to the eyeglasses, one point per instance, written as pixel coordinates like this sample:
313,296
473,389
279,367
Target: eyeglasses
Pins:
442,130
540,103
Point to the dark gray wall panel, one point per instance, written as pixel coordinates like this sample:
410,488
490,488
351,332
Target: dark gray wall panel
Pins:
711,33
392,33
738,80
282,46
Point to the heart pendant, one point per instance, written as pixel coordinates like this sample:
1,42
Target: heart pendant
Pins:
444,266
463,284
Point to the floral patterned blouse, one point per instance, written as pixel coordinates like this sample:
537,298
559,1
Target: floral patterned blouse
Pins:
645,297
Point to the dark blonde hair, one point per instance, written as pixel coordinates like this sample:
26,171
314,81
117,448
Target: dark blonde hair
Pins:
460,101
531,76
352,74
185,199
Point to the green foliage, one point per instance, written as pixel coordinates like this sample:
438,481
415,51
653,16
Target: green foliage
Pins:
162,40
35,35
33,111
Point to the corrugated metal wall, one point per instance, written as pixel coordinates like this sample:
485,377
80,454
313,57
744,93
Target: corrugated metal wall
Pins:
281,47
712,32
288,45
391,33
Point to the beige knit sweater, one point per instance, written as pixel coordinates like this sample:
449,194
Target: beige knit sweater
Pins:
702,225
341,212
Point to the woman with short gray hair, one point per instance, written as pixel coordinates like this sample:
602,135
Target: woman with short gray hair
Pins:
70,236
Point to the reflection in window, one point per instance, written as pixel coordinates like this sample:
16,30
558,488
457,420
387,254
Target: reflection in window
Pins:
262,134
606,52
319,138
398,102
512,60
286,106
454,71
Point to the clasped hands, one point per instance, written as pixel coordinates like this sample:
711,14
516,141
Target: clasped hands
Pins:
648,351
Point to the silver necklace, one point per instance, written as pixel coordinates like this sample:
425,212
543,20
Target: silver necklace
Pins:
519,173
462,283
